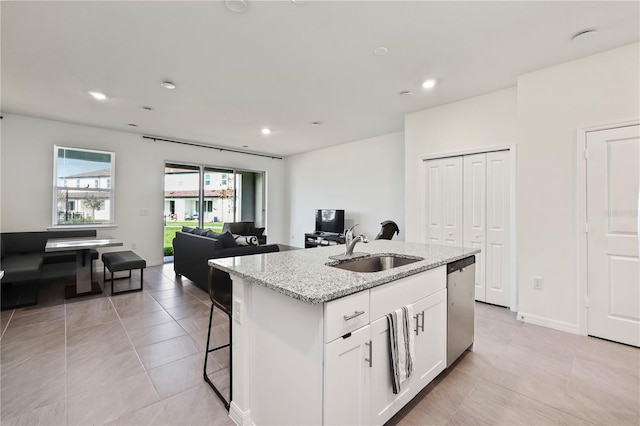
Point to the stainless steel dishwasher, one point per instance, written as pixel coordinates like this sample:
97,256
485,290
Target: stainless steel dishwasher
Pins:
460,306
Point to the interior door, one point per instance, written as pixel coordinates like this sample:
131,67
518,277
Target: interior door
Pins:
475,214
612,240
444,201
498,248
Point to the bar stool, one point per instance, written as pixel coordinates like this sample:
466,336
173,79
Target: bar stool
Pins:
220,295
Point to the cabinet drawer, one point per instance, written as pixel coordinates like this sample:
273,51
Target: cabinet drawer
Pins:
391,296
345,315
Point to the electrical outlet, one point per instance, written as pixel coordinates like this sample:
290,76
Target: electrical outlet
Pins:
237,311
133,246
538,283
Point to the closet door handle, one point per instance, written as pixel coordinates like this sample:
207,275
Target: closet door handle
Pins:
370,359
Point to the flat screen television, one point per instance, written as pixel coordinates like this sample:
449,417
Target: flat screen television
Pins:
330,221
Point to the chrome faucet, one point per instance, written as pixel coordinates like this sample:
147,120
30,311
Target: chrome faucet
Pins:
351,241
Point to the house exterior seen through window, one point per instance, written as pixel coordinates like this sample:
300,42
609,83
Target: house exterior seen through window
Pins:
90,201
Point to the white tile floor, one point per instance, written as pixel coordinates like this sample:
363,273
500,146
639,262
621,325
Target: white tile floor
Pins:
137,359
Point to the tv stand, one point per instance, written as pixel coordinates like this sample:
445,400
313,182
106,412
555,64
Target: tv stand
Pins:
320,239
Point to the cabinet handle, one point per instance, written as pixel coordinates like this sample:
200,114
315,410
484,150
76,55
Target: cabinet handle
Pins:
370,359
353,315
421,326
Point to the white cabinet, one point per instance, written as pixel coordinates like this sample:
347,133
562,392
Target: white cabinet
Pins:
468,203
347,379
429,331
357,373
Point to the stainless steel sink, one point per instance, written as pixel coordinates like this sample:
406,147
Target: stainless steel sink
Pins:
376,263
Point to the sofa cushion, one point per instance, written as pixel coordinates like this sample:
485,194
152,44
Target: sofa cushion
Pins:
188,229
227,240
21,267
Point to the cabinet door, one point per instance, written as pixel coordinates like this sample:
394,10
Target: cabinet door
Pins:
384,403
497,259
431,339
347,379
443,209
429,331
475,214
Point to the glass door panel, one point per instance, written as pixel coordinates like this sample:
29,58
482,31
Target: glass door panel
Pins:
219,198
181,200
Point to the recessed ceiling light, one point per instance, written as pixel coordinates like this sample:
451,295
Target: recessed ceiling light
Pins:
236,6
428,84
147,108
405,93
300,1
380,51
98,95
316,123
168,85
266,131
132,125
584,35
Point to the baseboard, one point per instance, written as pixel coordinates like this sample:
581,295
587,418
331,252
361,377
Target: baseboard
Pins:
547,322
239,417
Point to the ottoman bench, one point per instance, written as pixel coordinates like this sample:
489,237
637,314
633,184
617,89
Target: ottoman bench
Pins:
122,261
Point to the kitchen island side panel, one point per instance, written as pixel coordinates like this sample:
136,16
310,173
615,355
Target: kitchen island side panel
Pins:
285,357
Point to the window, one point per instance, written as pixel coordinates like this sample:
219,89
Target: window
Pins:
91,202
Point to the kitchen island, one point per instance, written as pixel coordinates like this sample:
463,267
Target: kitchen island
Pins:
310,340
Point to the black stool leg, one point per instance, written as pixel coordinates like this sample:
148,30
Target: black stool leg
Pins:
206,358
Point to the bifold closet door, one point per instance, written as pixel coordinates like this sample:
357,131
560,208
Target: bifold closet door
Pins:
475,217
498,229
444,201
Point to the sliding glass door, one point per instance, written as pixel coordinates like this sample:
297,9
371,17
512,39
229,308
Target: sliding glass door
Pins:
207,197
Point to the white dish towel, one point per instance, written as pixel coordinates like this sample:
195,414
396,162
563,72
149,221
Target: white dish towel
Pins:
401,346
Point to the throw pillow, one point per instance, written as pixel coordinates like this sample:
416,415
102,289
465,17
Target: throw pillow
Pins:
228,240
246,240
188,229
258,232
212,234
200,231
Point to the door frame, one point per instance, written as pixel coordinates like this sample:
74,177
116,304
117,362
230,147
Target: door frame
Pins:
581,216
513,182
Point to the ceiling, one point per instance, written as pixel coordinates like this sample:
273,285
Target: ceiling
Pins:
282,64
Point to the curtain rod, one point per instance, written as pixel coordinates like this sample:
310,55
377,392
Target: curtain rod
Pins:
201,145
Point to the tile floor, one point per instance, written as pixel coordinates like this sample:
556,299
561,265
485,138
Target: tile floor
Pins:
136,359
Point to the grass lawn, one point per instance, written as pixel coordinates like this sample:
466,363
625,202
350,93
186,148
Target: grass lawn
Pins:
171,228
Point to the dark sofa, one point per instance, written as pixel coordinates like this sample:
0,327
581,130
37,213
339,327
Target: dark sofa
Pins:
25,263
191,253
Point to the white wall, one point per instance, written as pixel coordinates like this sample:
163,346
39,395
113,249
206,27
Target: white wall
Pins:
484,121
552,104
27,179
542,115
365,178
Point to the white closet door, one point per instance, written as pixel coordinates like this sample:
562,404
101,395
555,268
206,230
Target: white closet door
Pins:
475,214
612,208
433,207
498,231
444,201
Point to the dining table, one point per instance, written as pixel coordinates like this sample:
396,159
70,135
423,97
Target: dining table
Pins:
84,285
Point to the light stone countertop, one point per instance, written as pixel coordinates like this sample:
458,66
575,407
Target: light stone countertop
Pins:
304,275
